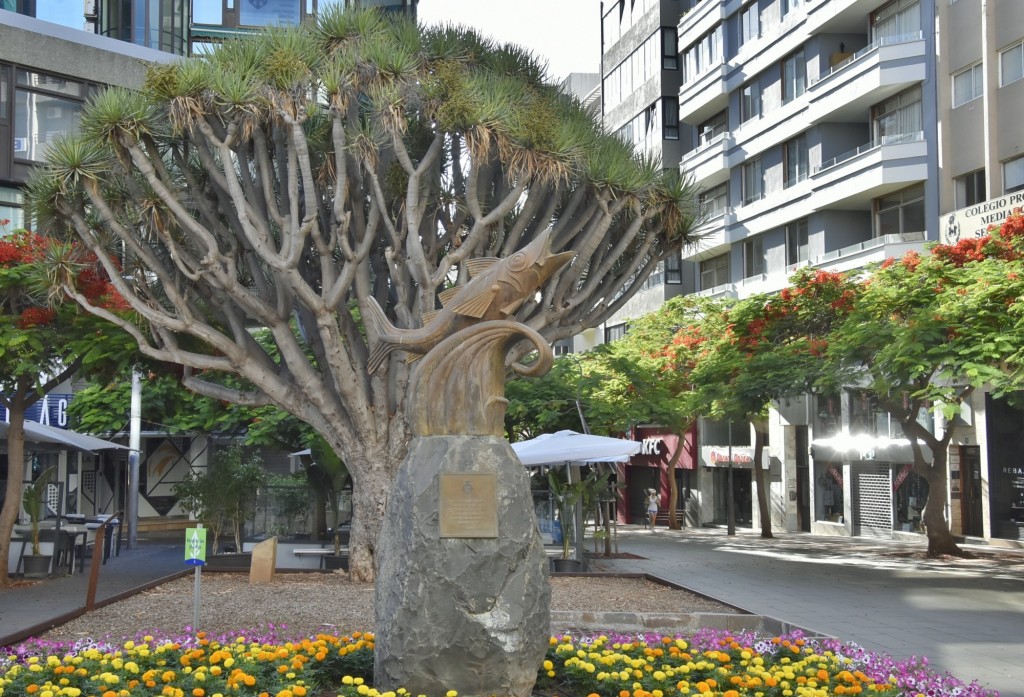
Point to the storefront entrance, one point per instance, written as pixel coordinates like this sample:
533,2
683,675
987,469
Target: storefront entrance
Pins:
742,491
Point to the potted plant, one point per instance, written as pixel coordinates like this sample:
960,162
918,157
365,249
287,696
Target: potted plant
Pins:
33,499
567,495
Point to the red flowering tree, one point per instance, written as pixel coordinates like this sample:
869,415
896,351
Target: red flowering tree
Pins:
44,341
740,357
926,332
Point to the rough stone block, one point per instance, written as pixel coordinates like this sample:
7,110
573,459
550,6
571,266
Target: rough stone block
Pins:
264,561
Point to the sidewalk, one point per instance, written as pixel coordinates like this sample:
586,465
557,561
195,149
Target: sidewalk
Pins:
965,616
29,610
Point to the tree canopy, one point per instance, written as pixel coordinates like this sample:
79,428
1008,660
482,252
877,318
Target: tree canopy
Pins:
45,340
291,179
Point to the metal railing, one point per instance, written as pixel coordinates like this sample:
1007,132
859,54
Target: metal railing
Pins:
873,243
873,46
895,139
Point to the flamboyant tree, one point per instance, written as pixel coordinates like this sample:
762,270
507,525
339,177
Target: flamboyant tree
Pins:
927,331
44,340
295,179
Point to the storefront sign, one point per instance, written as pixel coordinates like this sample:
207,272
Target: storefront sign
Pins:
51,410
743,456
974,221
651,446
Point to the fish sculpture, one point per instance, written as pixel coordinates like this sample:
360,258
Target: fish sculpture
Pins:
496,289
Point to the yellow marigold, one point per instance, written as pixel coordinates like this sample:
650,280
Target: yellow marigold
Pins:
32,689
284,693
299,691
198,692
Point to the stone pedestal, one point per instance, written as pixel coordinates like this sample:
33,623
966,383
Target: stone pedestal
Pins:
460,613
264,561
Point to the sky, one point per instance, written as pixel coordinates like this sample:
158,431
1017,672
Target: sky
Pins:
567,33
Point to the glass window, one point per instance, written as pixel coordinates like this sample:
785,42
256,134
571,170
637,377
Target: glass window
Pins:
11,208
714,201
911,492
713,128
796,242
40,118
669,49
750,24
970,188
3,93
614,332
750,101
795,154
898,117
49,83
1013,175
753,256
263,14
1011,64
671,115
968,85
787,6
794,76
612,20
828,491
714,272
753,182
674,270
900,212
207,13
896,22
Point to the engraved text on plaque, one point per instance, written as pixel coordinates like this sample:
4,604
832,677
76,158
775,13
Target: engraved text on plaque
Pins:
469,505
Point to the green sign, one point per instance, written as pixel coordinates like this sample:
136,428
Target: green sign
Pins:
195,546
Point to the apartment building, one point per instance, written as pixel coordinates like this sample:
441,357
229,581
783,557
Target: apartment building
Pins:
831,134
183,27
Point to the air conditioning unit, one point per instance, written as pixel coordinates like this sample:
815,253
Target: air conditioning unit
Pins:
54,112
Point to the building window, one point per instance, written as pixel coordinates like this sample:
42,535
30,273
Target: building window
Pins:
796,242
896,22
968,85
12,204
45,108
562,348
900,212
794,76
669,48
1011,64
714,201
1013,175
750,101
970,188
714,272
674,270
614,332
753,181
795,155
704,54
670,109
787,6
750,24
712,128
898,117
753,256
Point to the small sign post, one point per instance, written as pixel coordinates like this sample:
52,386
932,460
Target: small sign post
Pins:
195,554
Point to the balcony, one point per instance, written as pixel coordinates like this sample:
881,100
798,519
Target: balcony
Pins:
704,95
869,76
708,163
724,290
873,250
703,18
857,176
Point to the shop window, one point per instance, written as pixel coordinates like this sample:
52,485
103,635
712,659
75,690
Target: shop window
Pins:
909,498
828,492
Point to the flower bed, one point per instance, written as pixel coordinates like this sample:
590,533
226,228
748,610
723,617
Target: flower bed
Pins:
712,663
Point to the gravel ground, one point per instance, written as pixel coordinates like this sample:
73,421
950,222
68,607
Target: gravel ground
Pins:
306,604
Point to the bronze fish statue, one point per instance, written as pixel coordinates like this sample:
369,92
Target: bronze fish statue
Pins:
496,289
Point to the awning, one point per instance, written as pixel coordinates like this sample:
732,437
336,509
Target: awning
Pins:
38,433
569,446
857,447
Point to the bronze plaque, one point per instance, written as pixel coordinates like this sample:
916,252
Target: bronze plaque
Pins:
469,505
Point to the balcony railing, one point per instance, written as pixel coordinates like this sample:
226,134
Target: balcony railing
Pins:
873,46
895,139
873,243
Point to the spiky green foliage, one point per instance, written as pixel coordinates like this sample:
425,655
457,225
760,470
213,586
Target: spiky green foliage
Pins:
290,176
